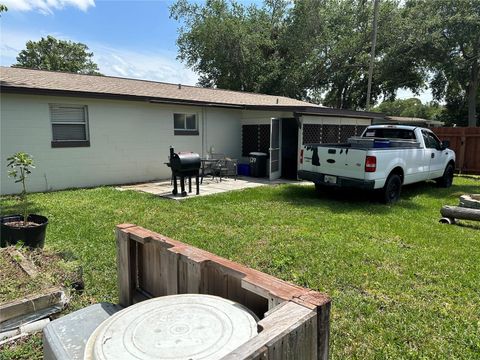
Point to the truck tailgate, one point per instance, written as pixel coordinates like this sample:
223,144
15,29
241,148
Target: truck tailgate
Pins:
335,160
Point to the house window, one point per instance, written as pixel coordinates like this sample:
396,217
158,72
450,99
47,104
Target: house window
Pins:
185,124
69,125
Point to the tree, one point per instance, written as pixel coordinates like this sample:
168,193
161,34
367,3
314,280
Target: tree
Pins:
455,111
446,35
3,8
311,49
412,107
57,55
230,45
331,40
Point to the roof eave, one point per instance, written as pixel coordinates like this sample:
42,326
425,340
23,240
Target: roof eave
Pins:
340,112
157,100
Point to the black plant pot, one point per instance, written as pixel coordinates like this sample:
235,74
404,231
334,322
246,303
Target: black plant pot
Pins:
33,237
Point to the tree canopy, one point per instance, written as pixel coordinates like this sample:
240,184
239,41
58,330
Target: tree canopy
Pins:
412,107
57,55
230,45
445,34
341,50
315,48
319,50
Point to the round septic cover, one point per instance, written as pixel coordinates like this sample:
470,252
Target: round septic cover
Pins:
189,327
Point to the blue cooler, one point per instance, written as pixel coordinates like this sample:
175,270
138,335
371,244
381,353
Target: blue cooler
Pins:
381,143
243,169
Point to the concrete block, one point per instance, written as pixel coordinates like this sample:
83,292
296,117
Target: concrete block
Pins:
65,338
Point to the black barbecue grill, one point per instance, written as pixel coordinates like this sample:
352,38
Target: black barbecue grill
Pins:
184,165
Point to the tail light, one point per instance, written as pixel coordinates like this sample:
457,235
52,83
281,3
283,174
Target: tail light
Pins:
370,164
301,156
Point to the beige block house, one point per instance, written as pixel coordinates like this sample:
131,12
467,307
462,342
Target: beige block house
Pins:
85,130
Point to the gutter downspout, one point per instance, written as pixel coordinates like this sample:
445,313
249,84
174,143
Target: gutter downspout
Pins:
204,131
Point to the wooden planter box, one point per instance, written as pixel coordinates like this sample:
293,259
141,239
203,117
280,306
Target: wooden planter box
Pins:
294,321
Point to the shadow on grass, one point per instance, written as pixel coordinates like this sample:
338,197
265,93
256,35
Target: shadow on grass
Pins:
344,200
336,200
17,208
468,225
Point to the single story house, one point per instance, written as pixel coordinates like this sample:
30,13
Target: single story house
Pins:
85,130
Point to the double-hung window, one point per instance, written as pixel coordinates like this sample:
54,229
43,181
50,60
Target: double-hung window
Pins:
185,124
69,125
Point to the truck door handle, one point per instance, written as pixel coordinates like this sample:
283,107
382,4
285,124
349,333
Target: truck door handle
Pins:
433,155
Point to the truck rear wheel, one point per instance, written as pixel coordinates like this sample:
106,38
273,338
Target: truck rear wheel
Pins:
447,179
391,191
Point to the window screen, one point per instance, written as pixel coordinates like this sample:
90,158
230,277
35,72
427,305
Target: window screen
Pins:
69,122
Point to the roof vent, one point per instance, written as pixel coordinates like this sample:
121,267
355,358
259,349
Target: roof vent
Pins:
179,86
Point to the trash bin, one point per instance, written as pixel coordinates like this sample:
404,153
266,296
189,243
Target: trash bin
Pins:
258,164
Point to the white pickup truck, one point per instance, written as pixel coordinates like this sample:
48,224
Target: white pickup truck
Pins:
383,158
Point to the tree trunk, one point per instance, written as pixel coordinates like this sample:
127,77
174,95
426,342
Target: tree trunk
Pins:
339,97
472,94
456,212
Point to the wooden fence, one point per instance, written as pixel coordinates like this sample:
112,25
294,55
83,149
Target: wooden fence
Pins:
294,321
465,141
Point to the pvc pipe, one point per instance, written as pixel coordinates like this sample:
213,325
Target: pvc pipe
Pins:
23,330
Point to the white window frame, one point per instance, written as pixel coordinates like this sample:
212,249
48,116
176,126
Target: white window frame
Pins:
184,130
71,142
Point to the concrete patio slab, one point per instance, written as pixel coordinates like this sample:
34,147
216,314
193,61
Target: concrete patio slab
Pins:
210,186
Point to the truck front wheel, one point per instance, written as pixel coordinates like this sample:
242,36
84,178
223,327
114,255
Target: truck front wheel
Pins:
391,190
447,179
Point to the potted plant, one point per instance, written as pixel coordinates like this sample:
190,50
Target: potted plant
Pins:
30,228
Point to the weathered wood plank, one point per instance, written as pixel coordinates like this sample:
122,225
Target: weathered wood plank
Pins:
323,330
26,265
49,297
275,328
125,262
169,267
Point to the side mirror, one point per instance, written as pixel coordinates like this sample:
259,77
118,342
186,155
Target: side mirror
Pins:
445,144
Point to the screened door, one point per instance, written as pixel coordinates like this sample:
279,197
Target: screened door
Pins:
275,144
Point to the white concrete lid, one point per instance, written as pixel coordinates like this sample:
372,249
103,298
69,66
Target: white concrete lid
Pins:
189,327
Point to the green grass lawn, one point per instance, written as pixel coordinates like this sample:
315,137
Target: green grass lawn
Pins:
402,285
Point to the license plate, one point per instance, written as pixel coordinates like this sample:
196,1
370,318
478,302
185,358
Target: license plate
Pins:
329,179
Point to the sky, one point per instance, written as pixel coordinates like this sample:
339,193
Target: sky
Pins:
134,39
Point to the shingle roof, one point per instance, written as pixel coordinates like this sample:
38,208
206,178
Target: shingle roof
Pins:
45,81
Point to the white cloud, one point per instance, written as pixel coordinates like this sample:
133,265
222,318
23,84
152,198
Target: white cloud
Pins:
156,66
11,43
47,6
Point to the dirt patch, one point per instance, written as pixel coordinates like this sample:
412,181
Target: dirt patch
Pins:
21,224
53,270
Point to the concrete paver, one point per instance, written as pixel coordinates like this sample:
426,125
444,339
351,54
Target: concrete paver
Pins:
210,186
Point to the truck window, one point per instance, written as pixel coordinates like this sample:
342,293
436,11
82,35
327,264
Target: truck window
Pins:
431,141
387,133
